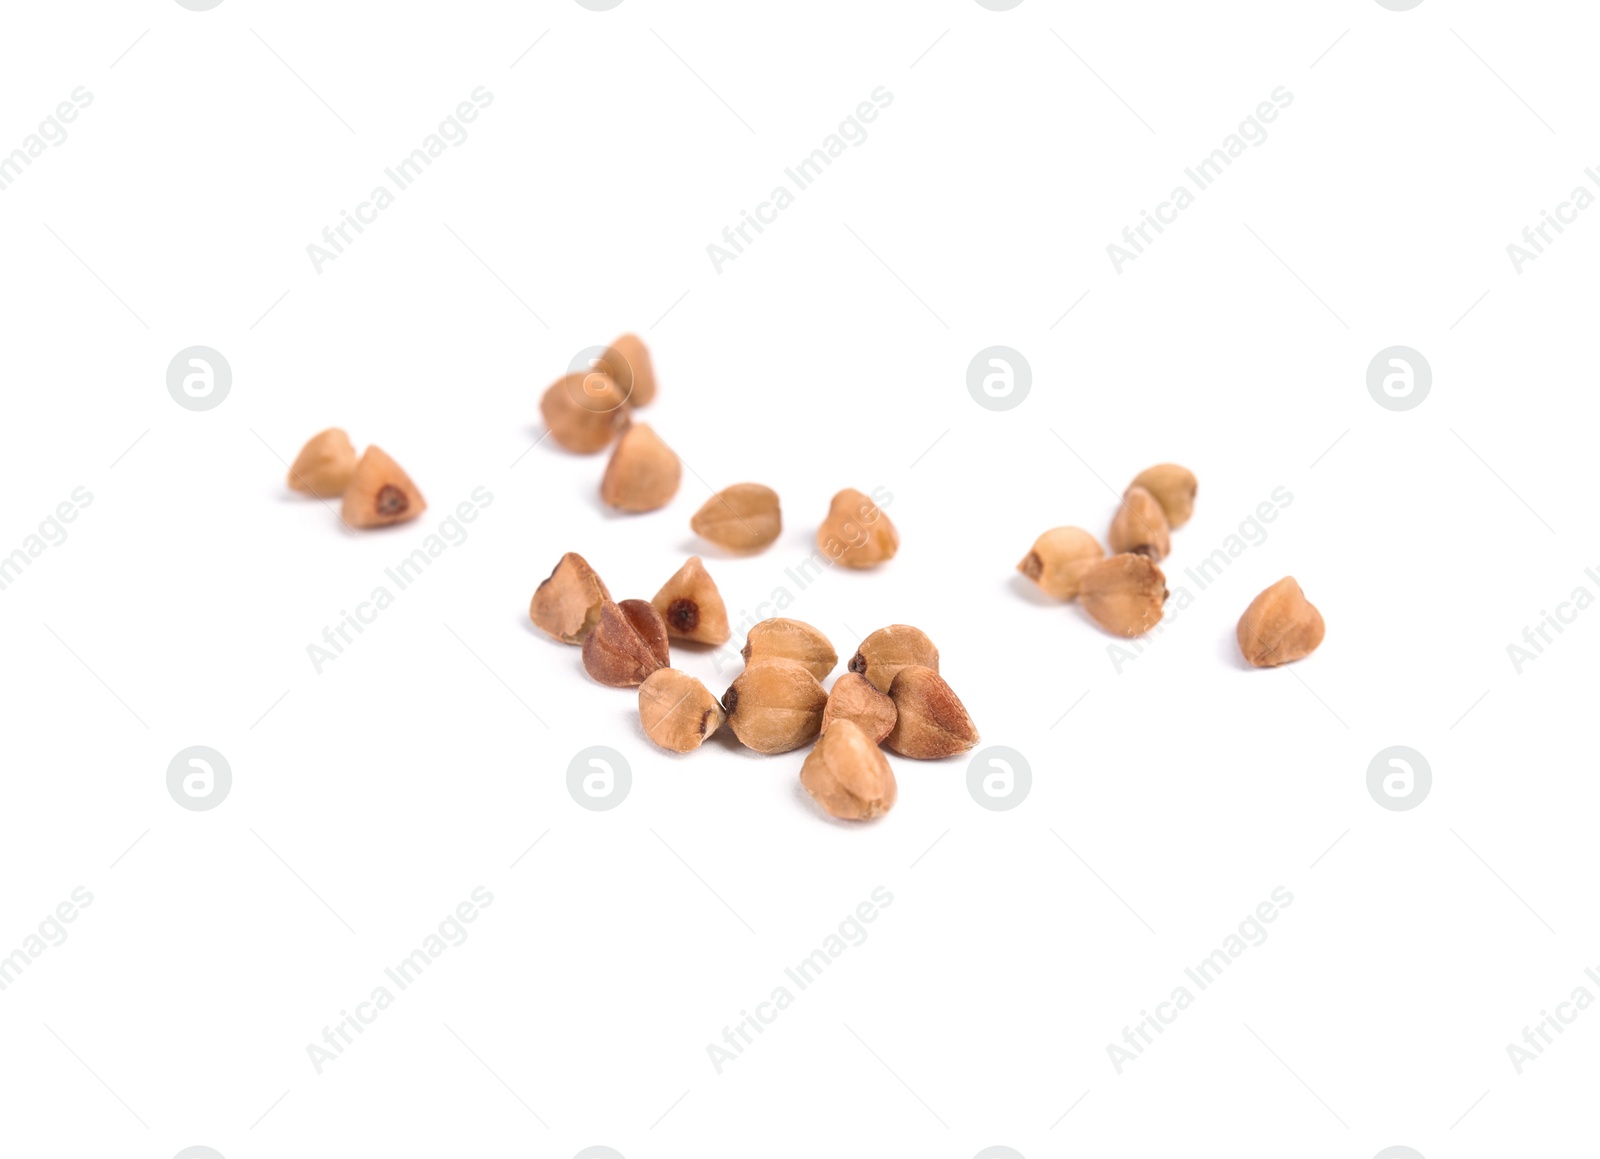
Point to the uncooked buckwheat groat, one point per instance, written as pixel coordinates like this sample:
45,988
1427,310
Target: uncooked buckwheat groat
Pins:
856,532
567,604
848,775
744,517
1140,526
1124,594
692,607
643,472
628,363
890,649
1059,558
855,699
677,711
930,720
1174,488
380,493
782,639
775,706
1279,626
627,645
584,411
324,465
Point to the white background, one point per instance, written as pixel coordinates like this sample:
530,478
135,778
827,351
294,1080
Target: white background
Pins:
371,799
